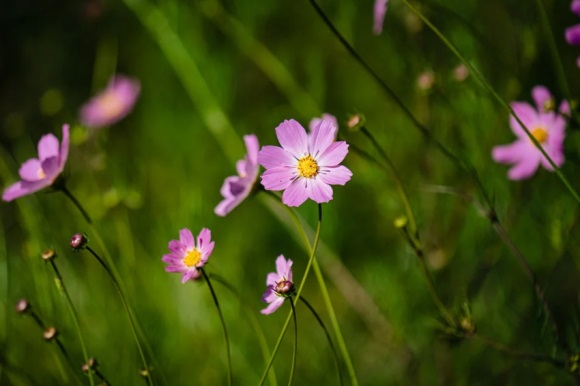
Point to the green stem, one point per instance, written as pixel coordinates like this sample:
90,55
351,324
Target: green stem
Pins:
327,334
76,202
495,95
223,323
60,285
285,327
293,366
146,373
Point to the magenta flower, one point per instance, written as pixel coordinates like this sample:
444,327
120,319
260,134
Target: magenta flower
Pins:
37,174
380,10
547,127
236,188
573,33
326,117
279,284
186,257
306,164
112,104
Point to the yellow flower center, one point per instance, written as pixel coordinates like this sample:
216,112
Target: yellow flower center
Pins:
111,104
307,167
193,258
540,135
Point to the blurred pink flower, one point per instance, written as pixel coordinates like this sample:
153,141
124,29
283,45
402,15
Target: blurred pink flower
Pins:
380,10
236,188
548,128
325,117
112,104
279,284
306,164
37,174
573,33
186,257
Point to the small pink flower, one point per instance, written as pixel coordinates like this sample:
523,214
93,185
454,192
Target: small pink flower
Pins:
186,257
38,173
306,164
112,104
279,284
380,10
547,127
573,33
236,188
325,117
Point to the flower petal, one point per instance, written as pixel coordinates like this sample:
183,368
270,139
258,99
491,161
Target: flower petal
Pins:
64,146
327,117
283,266
48,147
274,157
293,138
573,35
321,137
541,95
31,170
575,7
190,274
338,175
512,153
270,295
296,193
272,278
51,169
379,12
177,248
23,188
318,191
273,306
527,114
253,147
334,154
278,178
203,239
525,168
186,238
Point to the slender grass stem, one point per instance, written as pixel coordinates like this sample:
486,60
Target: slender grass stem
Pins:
307,270
295,351
223,323
103,379
62,288
76,202
327,334
146,373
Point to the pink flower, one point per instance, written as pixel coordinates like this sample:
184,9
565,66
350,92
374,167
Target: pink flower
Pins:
186,257
546,125
236,188
37,174
279,284
573,33
380,10
112,104
306,164
327,117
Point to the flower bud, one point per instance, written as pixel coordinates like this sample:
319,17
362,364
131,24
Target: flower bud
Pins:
22,306
50,334
144,373
356,122
91,364
79,241
48,255
285,288
401,221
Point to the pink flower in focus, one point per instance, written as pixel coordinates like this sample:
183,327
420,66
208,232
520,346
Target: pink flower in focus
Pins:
306,164
573,33
186,257
112,104
236,188
37,174
279,284
380,10
547,127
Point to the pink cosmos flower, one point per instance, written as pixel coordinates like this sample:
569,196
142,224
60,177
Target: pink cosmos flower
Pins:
279,284
380,10
112,104
546,125
236,188
316,120
573,33
306,164
186,257
38,173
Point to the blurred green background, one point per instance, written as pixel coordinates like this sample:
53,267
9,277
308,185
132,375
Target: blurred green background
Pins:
161,168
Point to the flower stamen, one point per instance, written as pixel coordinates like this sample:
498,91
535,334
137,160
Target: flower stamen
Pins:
307,167
40,174
540,134
193,258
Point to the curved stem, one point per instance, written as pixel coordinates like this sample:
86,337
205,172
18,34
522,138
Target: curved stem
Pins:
60,285
285,327
327,334
223,323
62,187
293,367
146,373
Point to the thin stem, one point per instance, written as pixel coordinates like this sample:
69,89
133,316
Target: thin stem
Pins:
102,377
293,366
327,334
147,372
223,323
62,288
285,327
254,321
76,202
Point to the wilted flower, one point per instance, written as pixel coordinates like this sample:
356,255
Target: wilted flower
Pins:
112,104
546,126
306,164
279,284
380,10
573,33
37,174
186,257
236,188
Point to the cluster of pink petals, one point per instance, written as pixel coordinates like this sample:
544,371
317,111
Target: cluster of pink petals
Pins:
549,127
181,249
380,10
573,33
112,104
236,188
41,172
273,280
325,155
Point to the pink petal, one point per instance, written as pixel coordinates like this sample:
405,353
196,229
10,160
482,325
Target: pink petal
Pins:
270,295
541,95
274,156
189,275
318,191
296,193
177,248
338,175
573,35
379,12
23,188
525,168
512,153
293,138
64,146
315,121
527,114
283,267
278,178
30,170
321,137
51,169
203,239
556,153
333,155
206,252
171,258
272,278
174,268
253,147
47,147
575,7
564,107
273,306
186,238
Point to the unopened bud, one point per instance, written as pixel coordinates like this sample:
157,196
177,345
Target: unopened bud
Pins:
50,334
285,288
79,241
48,255
91,364
22,306
401,222
426,80
356,122
144,373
